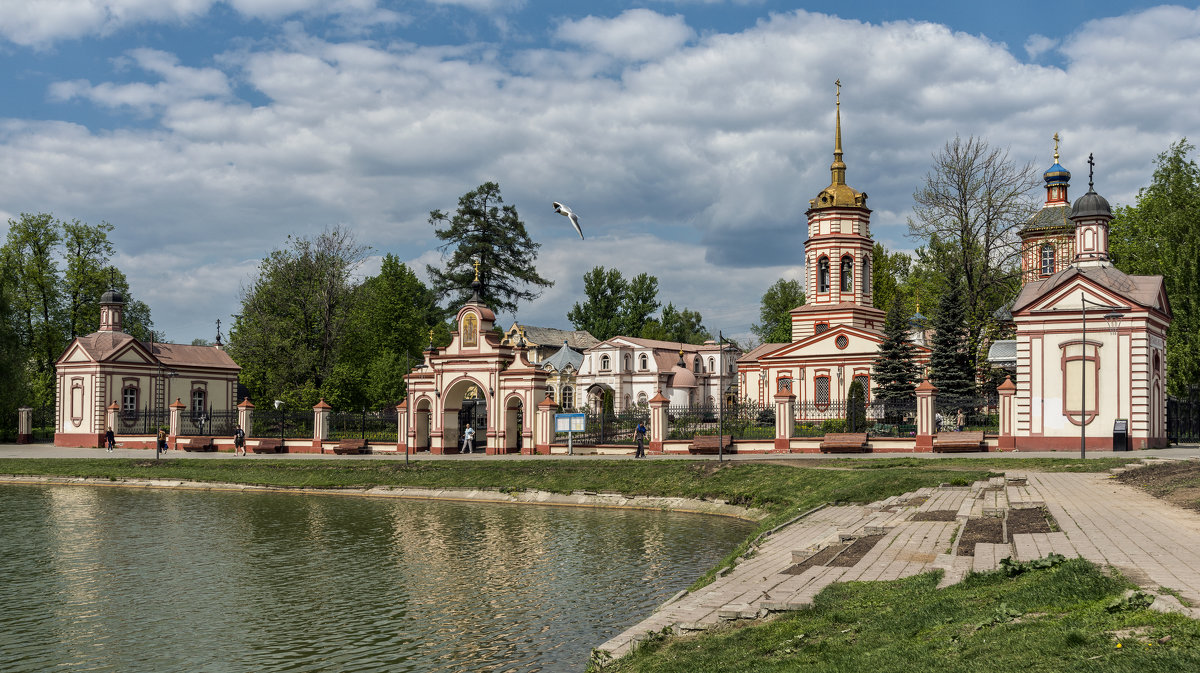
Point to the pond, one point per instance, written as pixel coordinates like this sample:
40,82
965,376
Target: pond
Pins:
115,579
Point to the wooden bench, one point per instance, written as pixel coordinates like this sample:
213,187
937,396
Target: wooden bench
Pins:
195,443
710,443
844,442
948,442
268,446
351,446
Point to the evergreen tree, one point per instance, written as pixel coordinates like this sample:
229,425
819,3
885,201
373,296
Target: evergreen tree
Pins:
896,369
950,364
640,303
856,407
485,229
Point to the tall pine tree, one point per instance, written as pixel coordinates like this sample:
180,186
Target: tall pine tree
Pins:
897,371
950,364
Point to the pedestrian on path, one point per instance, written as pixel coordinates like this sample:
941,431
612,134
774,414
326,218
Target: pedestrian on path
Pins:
239,441
160,441
961,420
109,440
468,445
641,441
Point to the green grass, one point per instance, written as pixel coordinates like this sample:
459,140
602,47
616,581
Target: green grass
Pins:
1067,618
999,464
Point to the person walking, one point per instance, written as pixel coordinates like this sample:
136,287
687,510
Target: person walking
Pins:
961,420
468,445
160,444
641,440
239,441
109,440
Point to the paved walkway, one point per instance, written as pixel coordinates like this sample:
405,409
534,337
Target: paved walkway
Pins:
1152,542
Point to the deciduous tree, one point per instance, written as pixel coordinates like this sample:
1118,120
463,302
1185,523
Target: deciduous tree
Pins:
605,294
775,311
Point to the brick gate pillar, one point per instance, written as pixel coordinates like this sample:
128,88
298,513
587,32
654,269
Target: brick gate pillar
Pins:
545,428
926,396
785,419
659,425
1007,391
25,425
245,415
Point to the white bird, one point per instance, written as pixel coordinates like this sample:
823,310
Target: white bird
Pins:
566,212
278,403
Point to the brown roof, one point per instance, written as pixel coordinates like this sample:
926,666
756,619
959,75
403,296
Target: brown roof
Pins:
1050,218
193,356
1140,290
100,345
580,340
758,351
667,345
841,306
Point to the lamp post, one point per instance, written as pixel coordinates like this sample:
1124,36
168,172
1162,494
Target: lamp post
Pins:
720,397
1113,317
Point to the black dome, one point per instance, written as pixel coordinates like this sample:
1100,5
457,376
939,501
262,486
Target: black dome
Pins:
112,297
1090,205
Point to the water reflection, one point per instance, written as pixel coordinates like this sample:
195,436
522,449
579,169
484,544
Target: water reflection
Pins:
104,579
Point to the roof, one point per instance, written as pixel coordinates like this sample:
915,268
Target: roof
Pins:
100,345
674,346
1140,290
1091,205
179,355
1050,218
563,357
758,351
1003,352
548,336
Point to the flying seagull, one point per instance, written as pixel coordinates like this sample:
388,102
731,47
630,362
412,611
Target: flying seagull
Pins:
566,212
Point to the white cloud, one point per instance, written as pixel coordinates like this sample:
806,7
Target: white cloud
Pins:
694,163
1037,45
636,34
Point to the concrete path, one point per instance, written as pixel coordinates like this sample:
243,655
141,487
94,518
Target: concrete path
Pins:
1154,543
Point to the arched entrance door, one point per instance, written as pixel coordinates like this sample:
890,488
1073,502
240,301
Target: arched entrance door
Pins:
421,423
513,424
466,406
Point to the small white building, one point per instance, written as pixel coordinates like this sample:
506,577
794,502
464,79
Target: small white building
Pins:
634,370
110,367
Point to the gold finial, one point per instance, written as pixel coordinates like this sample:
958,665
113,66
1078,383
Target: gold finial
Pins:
1056,148
431,338
475,262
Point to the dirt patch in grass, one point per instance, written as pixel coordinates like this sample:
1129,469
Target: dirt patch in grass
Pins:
1030,520
1177,482
856,551
935,515
988,529
820,558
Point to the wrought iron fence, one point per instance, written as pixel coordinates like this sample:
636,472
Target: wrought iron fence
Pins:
43,424
749,420
1183,418
142,421
685,422
608,428
209,423
979,413
374,426
282,423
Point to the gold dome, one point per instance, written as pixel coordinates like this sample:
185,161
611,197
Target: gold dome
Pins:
838,194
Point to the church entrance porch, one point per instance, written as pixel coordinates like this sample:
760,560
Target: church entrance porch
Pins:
465,406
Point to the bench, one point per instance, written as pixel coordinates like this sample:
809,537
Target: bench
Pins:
844,442
948,442
195,443
351,446
710,443
268,446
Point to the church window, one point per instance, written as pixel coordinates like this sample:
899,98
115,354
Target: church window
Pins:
644,362
841,341
1047,259
198,402
847,274
866,275
866,384
821,386
129,400
626,362
550,393
711,368
1080,366
822,327
823,274
568,395
642,400
696,364
604,363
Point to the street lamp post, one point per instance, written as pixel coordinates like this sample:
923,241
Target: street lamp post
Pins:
720,397
1113,317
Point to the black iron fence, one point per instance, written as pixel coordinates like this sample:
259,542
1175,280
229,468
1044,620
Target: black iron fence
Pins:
215,423
1183,418
43,424
374,426
142,421
749,420
282,423
608,428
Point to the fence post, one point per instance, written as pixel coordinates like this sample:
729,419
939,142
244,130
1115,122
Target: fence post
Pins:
176,419
246,415
402,426
926,393
320,424
25,425
1008,440
785,419
658,422
545,427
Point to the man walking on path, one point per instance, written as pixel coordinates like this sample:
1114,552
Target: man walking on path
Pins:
468,445
109,440
641,441
239,441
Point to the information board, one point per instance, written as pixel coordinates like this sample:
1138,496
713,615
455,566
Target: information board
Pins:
570,422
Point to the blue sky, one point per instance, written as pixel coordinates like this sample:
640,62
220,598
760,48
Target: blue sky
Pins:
688,135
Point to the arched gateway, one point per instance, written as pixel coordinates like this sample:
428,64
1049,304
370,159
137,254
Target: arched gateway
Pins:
475,381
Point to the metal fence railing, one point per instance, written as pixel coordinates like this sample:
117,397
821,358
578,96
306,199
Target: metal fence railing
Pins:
373,426
608,428
142,421
215,423
1183,418
282,423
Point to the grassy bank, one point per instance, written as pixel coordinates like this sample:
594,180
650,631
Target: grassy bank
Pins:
1067,618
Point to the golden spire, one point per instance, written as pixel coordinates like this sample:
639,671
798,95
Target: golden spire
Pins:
1056,147
838,167
838,193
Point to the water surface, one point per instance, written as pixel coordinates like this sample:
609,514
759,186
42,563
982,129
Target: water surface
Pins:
114,579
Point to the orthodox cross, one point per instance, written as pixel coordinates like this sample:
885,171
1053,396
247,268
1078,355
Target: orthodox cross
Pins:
112,277
1056,148
218,331
1091,169
431,338
838,83
475,262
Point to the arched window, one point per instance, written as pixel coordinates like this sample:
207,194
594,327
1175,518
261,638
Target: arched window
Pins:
821,327
642,400
1047,259
643,362
847,274
198,404
550,393
627,362
823,274
626,402
822,391
696,364
866,384
711,367
605,363
568,395
129,400
866,275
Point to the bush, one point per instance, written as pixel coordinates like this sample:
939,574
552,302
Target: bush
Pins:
856,408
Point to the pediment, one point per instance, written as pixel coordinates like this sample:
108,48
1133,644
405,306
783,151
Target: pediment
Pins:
131,353
76,353
836,341
1070,297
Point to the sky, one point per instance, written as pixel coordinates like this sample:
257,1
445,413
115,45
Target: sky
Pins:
688,135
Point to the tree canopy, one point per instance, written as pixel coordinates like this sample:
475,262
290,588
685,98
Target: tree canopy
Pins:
889,276
1160,235
775,309
484,228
